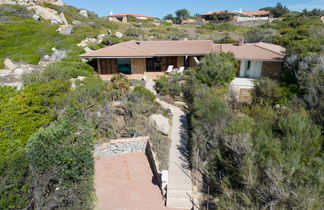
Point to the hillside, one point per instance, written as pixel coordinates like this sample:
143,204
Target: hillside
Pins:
55,109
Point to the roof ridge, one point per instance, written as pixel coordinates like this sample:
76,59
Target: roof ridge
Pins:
256,44
134,48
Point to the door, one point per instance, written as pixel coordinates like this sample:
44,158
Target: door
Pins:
251,69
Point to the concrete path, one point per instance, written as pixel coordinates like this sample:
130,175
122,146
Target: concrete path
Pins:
179,190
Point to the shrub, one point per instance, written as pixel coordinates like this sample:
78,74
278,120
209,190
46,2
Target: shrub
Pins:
266,90
120,82
25,112
5,94
62,70
62,163
16,182
89,92
217,69
145,92
133,31
258,35
169,85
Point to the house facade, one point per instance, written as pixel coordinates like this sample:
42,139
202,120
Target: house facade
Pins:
256,59
238,16
138,57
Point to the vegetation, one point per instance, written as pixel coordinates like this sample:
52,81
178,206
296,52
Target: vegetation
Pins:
277,11
62,163
267,154
217,69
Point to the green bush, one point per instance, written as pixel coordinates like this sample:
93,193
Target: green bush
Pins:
133,31
145,92
16,182
62,163
62,70
25,112
169,85
2,65
90,91
5,94
217,69
120,82
266,91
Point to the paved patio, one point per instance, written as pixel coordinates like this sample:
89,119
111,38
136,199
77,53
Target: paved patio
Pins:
148,75
125,182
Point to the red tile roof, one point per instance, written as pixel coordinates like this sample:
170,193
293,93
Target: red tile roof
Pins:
130,49
253,51
129,14
256,13
154,48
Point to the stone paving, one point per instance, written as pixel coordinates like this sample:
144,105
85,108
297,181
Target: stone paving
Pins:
126,182
179,189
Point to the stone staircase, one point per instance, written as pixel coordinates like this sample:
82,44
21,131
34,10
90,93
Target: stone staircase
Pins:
179,188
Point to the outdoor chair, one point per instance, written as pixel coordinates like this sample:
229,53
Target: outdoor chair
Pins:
181,69
170,69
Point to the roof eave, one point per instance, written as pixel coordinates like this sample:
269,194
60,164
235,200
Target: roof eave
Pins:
111,57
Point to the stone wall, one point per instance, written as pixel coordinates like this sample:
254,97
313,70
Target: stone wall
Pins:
271,69
121,146
138,65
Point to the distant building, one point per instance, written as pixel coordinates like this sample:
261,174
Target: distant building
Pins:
122,17
238,16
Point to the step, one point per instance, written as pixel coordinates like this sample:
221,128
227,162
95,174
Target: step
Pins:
179,193
183,203
177,186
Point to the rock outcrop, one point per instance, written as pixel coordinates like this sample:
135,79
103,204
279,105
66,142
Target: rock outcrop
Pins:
84,13
160,123
65,29
48,14
31,2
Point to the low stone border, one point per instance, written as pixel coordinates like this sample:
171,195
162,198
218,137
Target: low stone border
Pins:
153,162
121,146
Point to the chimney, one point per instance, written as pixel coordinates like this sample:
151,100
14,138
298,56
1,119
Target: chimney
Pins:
241,41
111,13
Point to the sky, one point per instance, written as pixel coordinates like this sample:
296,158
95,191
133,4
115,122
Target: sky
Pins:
159,8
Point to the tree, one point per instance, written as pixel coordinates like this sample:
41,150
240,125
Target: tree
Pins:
217,69
169,17
279,10
182,14
62,163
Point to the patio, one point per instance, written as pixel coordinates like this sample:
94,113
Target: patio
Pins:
148,75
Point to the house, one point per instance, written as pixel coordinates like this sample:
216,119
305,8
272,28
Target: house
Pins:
122,17
139,57
256,59
238,16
